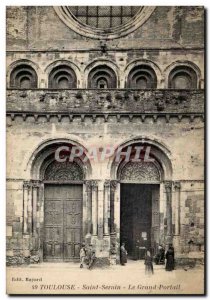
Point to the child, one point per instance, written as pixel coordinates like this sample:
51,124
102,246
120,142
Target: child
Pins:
82,255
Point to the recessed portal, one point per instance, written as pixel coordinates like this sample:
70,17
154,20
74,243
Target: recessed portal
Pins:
139,218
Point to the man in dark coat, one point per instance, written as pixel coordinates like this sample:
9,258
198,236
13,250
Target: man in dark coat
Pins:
123,255
170,259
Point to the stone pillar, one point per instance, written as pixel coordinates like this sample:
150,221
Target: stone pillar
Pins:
106,206
35,188
88,190
40,219
94,207
100,210
26,188
113,185
168,189
29,208
114,220
177,187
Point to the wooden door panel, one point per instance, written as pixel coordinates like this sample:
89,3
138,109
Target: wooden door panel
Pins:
72,243
63,222
72,227
53,212
73,213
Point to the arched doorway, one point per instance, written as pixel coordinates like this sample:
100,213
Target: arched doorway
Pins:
140,207
63,202
59,197
141,197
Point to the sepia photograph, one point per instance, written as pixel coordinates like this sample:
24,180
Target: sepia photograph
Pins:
105,140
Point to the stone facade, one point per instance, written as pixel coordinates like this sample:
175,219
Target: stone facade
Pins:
169,120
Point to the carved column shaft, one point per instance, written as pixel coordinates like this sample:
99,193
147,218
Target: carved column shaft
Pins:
177,187
26,188
34,206
106,206
100,209
89,205
168,189
94,207
29,208
113,185
35,200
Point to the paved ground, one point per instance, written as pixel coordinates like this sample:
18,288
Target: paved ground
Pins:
68,278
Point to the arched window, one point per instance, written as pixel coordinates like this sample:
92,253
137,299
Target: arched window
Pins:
102,77
182,77
142,77
23,77
102,83
62,77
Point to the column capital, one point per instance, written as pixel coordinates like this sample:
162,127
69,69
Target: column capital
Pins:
88,185
177,185
113,184
94,184
168,185
107,183
35,183
27,184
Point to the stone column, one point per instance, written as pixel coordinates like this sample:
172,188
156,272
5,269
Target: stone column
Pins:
100,209
88,186
29,207
106,206
168,189
94,207
40,218
113,185
177,187
114,221
26,189
35,188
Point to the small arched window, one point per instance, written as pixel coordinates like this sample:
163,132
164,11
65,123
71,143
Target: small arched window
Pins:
182,77
102,83
62,77
23,77
102,77
142,77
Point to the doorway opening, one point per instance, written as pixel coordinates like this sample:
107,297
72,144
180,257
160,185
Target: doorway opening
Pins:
139,218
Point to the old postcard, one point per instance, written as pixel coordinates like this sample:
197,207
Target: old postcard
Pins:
105,150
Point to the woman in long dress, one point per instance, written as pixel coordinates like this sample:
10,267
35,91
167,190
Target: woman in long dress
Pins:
148,263
170,259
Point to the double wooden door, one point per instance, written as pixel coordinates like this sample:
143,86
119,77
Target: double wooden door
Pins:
62,222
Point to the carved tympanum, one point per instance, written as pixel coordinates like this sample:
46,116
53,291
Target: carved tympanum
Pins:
64,171
140,171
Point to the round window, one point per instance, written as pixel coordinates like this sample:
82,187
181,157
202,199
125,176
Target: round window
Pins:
104,22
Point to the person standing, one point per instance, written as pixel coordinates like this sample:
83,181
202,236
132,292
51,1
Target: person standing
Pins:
170,259
123,255
148,263
82,255
92,259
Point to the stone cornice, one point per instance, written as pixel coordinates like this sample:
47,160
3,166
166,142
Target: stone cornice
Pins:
141,117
